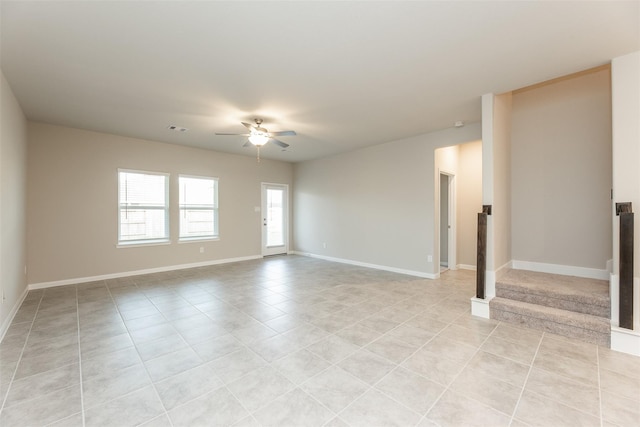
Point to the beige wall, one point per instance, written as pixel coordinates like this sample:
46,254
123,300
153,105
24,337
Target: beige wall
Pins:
561,172
72,196
501,214
469,199
374,205
465,162
13,160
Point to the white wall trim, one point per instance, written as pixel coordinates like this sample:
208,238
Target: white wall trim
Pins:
78,280
480,308
375,266
565,270
625,341
14,310
467,267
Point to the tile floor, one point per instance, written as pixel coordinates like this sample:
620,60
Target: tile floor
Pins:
295,341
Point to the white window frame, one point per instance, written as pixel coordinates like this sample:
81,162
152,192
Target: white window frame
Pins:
214,208
145,242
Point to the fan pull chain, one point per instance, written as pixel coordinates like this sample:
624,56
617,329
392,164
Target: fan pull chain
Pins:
258,147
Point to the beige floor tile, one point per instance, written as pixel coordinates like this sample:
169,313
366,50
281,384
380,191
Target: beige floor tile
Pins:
42,384
500,367
367,366
300,366
218,407
106,364
359,334
43,410
333,349
452,409
412,390
522,353
620,410
151,349
622,385
335,388
195,331
260,387
487,389
564,390
578,371
376,409
235,365
440,369
129,410
186,386
536,410
295,408
172,363
411,334
517,335
392,348
104,388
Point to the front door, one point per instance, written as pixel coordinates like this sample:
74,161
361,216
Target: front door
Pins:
275,219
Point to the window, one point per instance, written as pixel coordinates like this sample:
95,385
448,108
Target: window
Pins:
198,207
143,207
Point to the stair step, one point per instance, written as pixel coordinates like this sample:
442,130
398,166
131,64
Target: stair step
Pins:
584,327
577,294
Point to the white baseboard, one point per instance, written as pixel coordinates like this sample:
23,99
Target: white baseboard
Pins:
78,280
625,341
12,313
467,267
565,270
375,266
480,307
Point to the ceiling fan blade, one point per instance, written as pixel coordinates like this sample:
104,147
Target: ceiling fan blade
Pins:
247,144
283,133
279,143
240,134
248,125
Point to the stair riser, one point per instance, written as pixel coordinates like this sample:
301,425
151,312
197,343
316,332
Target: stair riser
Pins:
564,304
586,335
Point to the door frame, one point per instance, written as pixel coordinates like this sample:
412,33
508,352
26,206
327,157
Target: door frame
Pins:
265,251
451,255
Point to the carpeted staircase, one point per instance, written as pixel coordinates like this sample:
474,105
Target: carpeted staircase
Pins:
573,307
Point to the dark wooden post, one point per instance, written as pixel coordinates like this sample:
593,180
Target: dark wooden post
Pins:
624,211
481,260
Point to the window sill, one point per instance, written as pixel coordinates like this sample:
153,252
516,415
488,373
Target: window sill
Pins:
198,239
138,243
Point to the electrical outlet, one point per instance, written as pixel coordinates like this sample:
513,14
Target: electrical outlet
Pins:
324,245
429,258
201,249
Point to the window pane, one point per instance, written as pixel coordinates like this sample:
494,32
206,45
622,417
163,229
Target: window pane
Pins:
142,189
198,207
197,191
143,206
142,224
275,218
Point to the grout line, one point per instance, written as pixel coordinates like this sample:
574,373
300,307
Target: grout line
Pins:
448,387
524,385
80,359
35,315
166,413
599,387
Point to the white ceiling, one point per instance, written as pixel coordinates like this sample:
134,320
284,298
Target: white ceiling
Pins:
344,75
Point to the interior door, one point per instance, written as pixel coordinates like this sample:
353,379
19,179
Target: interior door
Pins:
275,222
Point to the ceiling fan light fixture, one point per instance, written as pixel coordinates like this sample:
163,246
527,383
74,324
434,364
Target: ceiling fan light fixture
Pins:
258,138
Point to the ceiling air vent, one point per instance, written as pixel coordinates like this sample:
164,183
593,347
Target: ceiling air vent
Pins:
177,128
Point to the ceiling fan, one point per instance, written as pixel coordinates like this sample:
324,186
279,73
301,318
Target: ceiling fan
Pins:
259,136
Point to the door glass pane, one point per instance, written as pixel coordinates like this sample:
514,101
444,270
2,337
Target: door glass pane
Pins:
275,218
